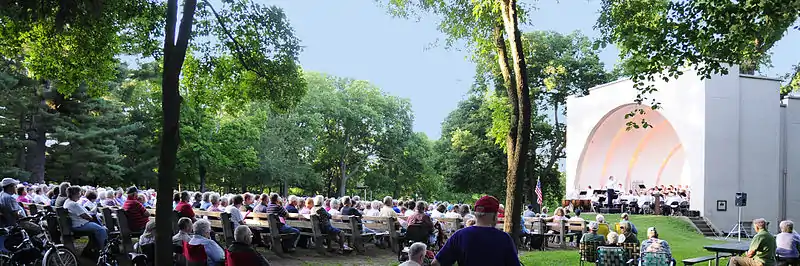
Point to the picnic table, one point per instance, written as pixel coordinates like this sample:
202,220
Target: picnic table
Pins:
735,248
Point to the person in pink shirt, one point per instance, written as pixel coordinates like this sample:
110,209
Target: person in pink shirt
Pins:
21,193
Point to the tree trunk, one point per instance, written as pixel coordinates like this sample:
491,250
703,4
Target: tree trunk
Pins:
174,55
343,179
202,171
35,156
516,167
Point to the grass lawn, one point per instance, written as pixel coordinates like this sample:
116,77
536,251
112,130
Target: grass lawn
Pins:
683,239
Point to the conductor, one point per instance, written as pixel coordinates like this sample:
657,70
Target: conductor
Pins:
610,189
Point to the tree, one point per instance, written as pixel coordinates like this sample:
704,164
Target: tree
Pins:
564,65
657,39
89,132
467,156
486,25
266,68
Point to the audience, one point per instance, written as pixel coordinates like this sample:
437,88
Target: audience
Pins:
470,245
787,245
241,251
274,207
235,211
416,254
202,236
184,208
148,236
325,223
592,236
81,220
135,212
762,247
612,239
653,244
184,231
62,194
630,237
215,203
626,218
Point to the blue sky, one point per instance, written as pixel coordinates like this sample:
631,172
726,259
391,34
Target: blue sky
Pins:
358,39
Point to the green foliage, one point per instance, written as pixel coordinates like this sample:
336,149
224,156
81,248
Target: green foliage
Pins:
559,66
75,42
254,55
658,40
466,156
792,80
18,106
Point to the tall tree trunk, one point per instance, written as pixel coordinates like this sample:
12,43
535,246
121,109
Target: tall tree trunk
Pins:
343,178
35,156
174,55
516,168
202,172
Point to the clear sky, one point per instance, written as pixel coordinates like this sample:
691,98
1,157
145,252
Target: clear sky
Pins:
358,39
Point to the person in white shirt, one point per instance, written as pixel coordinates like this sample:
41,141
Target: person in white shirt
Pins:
81,220
236,215
41,197
438,212
416,253
453,212
375,208
202,236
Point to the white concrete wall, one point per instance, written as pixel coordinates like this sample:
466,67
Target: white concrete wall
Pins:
682,104
759,147
792,121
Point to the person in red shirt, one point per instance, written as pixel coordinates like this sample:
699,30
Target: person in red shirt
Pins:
184,208
135,211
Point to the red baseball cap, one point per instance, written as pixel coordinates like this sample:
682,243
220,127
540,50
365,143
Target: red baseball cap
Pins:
487,204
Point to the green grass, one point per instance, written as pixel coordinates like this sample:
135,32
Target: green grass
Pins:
683,239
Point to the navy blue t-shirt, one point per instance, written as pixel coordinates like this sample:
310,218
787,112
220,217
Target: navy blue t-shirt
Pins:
476,245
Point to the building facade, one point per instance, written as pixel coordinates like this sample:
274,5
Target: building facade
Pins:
718,136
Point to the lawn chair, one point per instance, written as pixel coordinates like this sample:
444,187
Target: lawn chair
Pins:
611,256
631,250
656,259
414,233
588,251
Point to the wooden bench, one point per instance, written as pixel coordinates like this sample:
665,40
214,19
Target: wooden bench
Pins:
384,226
352,226
709,258
309,226
124,230
271,223
67,235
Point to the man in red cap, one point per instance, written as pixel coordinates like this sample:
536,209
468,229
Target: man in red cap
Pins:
481,244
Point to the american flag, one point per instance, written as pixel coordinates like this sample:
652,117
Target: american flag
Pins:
539,192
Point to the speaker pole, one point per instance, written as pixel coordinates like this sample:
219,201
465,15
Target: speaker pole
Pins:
739,224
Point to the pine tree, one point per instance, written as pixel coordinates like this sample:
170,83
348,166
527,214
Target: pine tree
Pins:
89,133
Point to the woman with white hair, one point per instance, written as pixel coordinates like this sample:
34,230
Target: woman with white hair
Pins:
325,222
241,252
373,209
416,254
148,236
202,237
335,205
214,200
109,199
788,245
